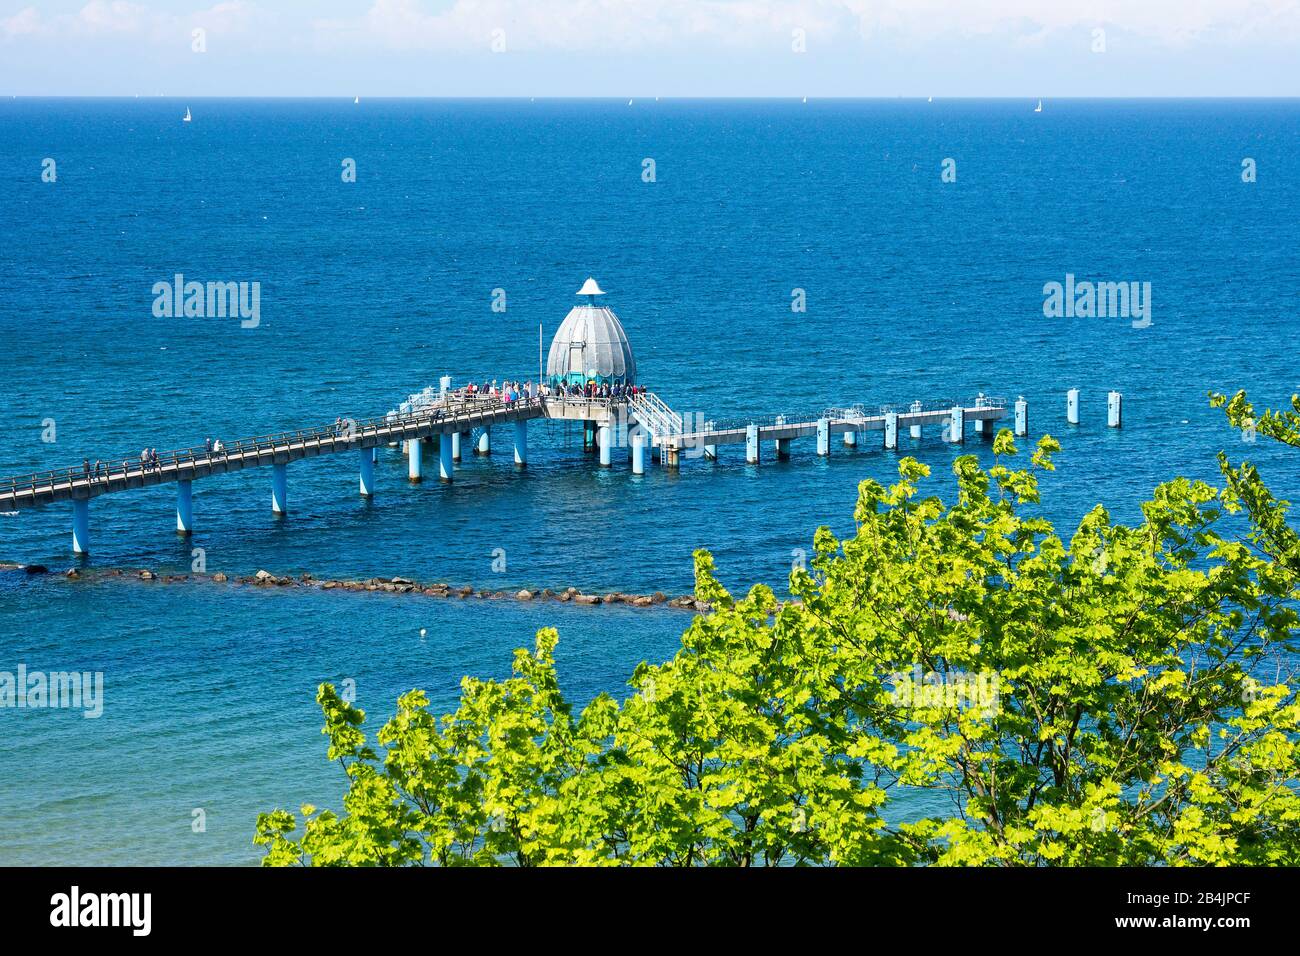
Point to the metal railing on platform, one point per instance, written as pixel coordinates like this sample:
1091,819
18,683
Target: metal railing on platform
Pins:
343,431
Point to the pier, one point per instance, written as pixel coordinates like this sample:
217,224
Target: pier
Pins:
589,357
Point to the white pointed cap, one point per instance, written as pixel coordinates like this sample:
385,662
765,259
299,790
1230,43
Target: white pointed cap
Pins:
590,288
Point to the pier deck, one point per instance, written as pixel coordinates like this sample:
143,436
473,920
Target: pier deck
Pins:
639,423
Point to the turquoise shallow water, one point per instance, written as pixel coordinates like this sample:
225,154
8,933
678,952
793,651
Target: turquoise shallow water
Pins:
915,288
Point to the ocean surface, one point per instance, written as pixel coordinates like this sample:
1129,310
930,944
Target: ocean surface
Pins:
915,288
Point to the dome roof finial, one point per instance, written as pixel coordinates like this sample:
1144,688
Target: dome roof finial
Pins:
591,288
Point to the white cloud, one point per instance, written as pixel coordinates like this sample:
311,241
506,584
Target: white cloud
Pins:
119,18
612,25
591,26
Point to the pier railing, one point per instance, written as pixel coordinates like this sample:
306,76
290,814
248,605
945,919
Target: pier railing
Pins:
343,432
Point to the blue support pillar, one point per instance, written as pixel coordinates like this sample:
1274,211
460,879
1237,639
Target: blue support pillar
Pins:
638,452
1022,417
752,451
81,526
603,436
891,430
367,482
279,489
957,425
484,442
1114,410
455,446
521,443
446,466
414,463
823,437
185,507
850,439
1072,406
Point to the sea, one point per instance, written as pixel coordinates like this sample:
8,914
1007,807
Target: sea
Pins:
766,257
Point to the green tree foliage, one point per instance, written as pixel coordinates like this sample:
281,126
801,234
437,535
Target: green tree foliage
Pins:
1246,489
952,684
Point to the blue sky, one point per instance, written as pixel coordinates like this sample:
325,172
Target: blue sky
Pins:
1029,48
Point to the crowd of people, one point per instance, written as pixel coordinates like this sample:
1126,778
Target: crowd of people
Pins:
615,390
514,391
509,392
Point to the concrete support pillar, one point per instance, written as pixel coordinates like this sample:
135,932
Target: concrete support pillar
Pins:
81,526
1114,410
455,446
1072,406
413,460
484,442
367,482
671,455
604,436
638,452
957,425
280,488
850,439
782,449
752,451
891,429
916,429
1022,417
185,507
589,437
521,443
446,466
823,437
983,428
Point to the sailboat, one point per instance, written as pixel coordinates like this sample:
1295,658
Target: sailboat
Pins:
187,118
1039,107
356,99
930,100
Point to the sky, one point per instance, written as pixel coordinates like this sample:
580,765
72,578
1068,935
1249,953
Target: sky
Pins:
674,48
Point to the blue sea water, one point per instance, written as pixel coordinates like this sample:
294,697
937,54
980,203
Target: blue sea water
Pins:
915,288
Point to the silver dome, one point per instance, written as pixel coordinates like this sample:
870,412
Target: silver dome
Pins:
591,344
